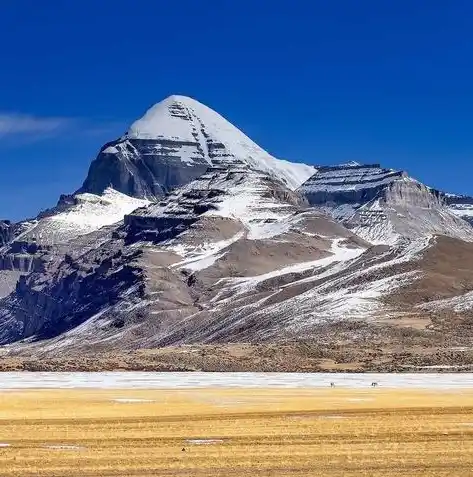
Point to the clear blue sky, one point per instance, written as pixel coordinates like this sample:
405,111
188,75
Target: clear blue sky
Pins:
314,81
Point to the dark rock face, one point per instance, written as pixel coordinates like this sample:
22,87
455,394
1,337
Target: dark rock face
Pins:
180,209
451,199
109,282
71,301
23,257
69,293
144,168
6,232
19,255
348,184
156,229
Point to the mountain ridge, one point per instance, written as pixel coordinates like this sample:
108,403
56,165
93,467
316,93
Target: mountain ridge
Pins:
208,239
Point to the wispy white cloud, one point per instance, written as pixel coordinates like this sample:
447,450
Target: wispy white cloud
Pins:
28,127
25,124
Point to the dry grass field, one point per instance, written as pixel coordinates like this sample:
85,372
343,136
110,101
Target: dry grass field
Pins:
240,432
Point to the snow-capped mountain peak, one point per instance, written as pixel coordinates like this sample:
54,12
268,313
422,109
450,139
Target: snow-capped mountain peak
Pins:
174,143
166,119
181,118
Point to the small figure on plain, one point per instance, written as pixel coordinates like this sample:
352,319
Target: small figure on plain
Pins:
332,385
374,384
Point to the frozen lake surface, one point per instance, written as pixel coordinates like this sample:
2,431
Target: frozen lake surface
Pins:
150,380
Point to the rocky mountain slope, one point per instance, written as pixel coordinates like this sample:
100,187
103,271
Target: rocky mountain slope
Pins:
384,205
205,238
165,262
30,245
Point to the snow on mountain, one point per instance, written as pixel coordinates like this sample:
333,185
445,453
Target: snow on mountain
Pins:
263,208
87,213
462,210
184,119
167,258
174,143
382,205
200,256
240,193
255,202
342,189
458,304
350,283
407,209
338,254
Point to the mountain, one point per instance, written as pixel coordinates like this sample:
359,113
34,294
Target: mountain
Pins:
175,261
174,143
460,205
29,245
382,205
78,215
207,241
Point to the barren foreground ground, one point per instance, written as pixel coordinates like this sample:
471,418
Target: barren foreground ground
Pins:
239,432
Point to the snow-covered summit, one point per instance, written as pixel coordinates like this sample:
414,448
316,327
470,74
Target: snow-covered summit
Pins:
183,119
174,143
166,119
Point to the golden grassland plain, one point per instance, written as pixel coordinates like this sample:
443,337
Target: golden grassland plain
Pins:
236,432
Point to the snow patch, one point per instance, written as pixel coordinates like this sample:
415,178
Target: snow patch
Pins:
200,257
347,285
93,212
110,150
461,210
200,442
245,201
90,213
458,304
